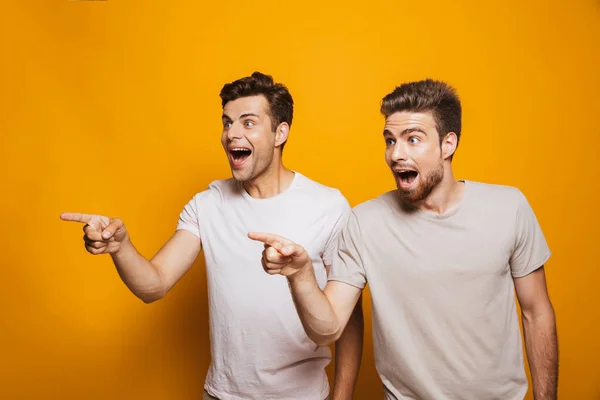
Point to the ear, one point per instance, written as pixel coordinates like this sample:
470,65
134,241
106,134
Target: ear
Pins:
281,134
449,144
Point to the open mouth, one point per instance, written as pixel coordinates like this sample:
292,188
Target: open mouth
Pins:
406,178
239,155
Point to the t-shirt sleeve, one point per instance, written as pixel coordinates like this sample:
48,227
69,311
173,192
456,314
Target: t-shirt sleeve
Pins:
531,250
188,219
339,215
347,265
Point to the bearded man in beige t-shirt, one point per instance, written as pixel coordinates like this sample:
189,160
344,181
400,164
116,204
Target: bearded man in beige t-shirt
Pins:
443,258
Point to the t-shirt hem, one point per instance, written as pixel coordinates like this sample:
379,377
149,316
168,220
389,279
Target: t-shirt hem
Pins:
323,394
347,281
533,266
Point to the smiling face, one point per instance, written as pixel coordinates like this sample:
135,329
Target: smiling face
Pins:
414,154
252,146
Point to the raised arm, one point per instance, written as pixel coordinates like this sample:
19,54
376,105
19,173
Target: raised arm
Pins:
324,314
151,279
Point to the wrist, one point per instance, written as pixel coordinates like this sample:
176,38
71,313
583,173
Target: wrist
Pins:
302,274
125,247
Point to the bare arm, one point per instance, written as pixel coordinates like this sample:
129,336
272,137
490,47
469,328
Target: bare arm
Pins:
324,314
151,279
540,333
348,355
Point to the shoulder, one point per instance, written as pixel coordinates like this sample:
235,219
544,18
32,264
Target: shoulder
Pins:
319,193
375,207
496,195
490,189
216,191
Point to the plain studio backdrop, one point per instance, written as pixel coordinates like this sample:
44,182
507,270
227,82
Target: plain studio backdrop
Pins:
112,107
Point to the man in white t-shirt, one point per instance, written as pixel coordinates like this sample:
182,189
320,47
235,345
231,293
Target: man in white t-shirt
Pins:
258,345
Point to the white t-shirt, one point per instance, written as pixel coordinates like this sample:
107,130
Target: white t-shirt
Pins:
258,345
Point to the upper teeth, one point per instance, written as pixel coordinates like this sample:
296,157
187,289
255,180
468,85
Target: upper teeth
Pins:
239,149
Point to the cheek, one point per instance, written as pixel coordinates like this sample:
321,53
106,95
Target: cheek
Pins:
426,158
429,153
388,157
261,140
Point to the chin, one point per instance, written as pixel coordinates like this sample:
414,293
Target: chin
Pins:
409,197
415,194
241,176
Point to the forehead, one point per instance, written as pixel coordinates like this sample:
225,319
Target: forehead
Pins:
402,120
246,105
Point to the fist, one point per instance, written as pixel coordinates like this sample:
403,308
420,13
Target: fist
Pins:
281,256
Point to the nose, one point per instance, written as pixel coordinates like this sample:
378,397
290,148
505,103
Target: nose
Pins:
399,152
234,132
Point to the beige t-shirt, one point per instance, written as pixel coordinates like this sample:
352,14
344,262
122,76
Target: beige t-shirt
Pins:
445,324
258,346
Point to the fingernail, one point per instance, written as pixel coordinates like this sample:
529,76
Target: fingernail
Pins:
106,234
285,249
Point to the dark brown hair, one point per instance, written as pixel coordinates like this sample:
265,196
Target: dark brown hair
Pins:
437,97
281,104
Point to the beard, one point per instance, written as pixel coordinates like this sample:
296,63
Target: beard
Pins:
425,187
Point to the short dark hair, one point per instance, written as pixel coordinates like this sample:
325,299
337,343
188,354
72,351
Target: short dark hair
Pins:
437,97
281,104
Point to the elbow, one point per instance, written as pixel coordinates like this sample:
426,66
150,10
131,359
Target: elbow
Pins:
325,339
150,293
544,315
151,297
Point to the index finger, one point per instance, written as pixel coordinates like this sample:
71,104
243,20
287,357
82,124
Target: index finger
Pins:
76,217
270,239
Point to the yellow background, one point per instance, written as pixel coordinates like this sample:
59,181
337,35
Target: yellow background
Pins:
112,107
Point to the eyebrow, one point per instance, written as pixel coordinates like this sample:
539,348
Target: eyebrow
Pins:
249,115
405,132
225,116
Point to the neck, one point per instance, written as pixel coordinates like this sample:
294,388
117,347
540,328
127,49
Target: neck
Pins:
445,196
271,182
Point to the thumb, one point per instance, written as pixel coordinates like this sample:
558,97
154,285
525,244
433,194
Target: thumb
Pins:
291,250
112,227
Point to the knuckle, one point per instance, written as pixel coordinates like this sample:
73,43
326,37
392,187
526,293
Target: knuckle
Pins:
92,249
272,252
